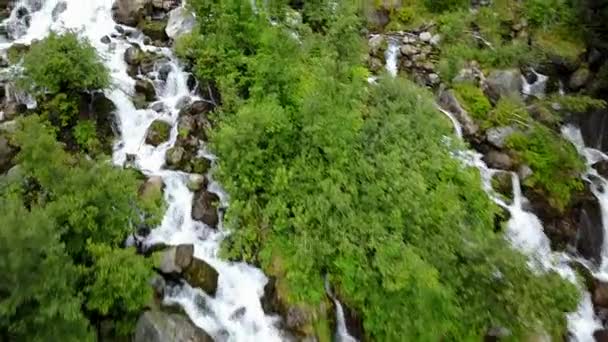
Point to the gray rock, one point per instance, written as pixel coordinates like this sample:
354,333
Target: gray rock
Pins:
106,40
198,273
435,40
524,172
158,107
503,83
409,50
133,55
181,21
204,208
376,44
498,160
157,326
197,182
175,155
579,78
145,88
163,72
433,79
130,12
425,36
497,136
59,8
183,102
447,100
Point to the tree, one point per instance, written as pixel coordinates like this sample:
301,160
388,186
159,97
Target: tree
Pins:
63,63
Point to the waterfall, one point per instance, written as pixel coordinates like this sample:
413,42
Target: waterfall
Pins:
342,334
391,55
525,233
240,286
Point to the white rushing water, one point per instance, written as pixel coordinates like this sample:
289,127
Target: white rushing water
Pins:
240,286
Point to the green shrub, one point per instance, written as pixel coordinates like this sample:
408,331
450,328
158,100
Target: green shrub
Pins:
85,134
445,5
510,111
473,100
63,63
555,163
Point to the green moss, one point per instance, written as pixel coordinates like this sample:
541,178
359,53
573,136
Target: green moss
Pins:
473,100
559,44
555,163
154,29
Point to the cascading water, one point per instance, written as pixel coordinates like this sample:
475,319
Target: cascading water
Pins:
235,313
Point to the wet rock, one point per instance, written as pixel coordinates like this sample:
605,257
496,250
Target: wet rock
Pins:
133,55
502,183
105,40
155,29
158,283
183,102
600,294
130,12
238,314
197,182
602,168
59,8
593,127
297,319
175,155
197,107
145,88
157,326
524,171
204,208
498,160
447,100
202,275
501,83
152,188
181,21
579,78
163,72
601,335
158,132
158,107
590,233
498,136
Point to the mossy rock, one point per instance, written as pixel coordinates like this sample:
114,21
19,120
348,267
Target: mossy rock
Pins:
560,49
16,52
155,29
158,132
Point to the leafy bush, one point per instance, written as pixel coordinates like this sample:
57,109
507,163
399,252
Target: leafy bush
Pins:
510,111
85,133
555,163
63,63
473,100
548,13
80,212
329,175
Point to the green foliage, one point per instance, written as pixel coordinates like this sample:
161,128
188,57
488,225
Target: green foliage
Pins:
548,13
37,279
473,100
119,284
60,109
509,111
85,134
555,163
331,175
63,63
576,103
79,213
445,5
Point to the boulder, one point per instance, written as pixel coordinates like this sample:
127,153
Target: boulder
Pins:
155,29
409,50
602,168
197,108
601,335
498,160
152,188
145,88
501,83
297,319
163,71
204,208
502,183
158,132
130,12
579,78
197,182
448,101
157,326
133,55
497,136
174,156
593,127
425,36
600,294
105,40
180,260
376,44
181,21
590,232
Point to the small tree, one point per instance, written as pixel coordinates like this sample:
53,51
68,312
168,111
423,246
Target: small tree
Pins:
63,63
